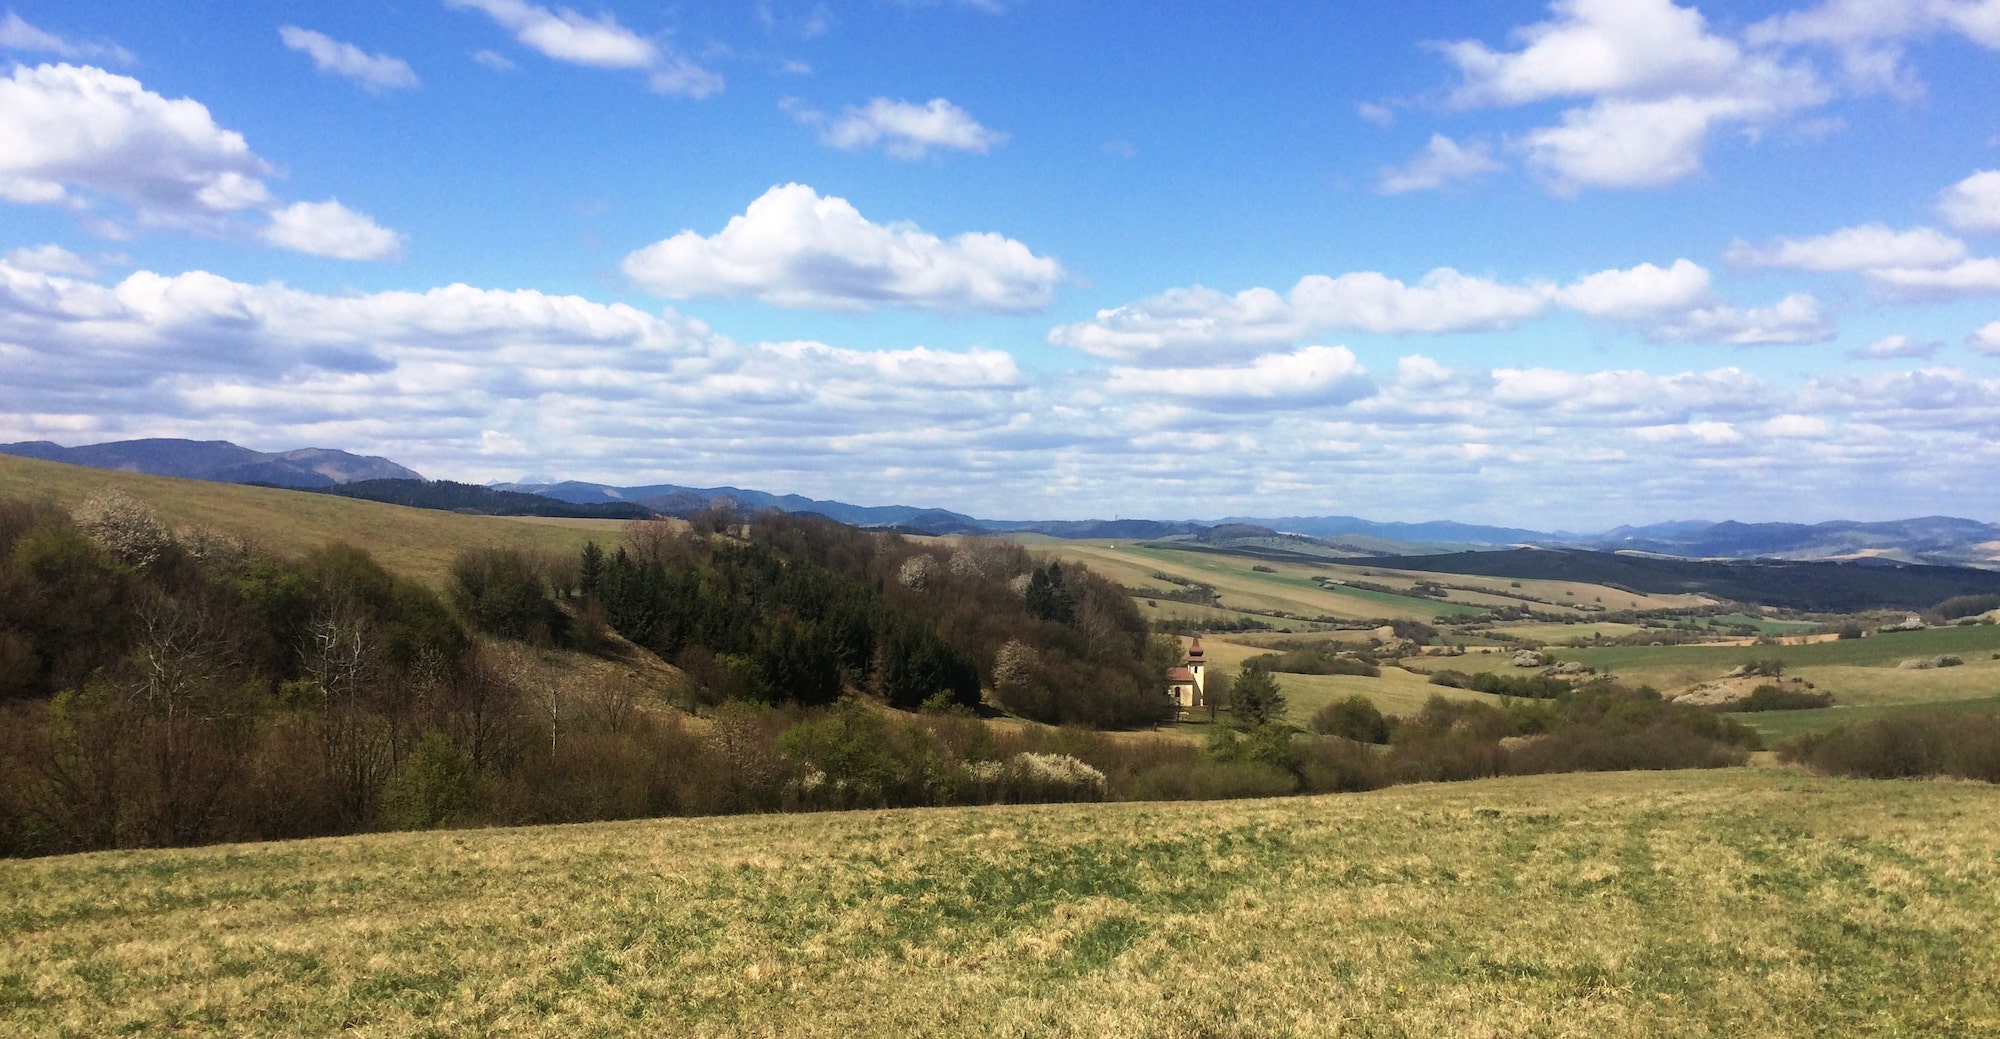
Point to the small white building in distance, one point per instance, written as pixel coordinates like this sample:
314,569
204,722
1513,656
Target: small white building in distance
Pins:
1187,684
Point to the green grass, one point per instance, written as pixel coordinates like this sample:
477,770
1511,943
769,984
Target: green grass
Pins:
1776,726
1981,640
420,543
1763,624
1742,902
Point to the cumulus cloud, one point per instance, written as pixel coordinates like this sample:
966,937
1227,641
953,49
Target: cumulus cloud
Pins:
331,229
79,136
469,378
472,383
794,248
1657,85
601,42
1969,278
377,72
1645,291
1794,319
1196,321
16,34
1313,376
1869,34
1985,339
78,132
1893,347
50,259
1443,162
904,129
1973,205
1854,249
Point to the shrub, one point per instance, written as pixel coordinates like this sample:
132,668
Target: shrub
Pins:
431,787
1966,606
1590,749
1769,697
1355,718
1210,780
1339,766
504,592
1451,679
1905,746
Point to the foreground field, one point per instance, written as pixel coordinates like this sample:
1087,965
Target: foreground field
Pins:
1747,902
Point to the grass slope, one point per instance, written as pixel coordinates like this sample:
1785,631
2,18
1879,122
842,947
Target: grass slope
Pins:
417,542
1744,902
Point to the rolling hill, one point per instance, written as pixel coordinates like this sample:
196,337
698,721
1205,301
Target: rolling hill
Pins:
220,461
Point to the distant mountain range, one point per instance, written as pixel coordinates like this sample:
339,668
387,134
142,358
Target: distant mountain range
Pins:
220,461
1938,540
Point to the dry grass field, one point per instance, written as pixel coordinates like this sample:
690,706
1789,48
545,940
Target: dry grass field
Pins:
1733,903
1293,588
417,542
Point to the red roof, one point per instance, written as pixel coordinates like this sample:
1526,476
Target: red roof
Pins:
1180,674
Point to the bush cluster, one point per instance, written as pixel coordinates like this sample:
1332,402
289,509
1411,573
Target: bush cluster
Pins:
1904,746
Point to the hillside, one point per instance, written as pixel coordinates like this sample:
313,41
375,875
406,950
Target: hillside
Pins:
418,542
482,501
220,461
1817,586
1739,902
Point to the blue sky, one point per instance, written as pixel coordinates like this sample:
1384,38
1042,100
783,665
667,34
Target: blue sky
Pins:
1565,264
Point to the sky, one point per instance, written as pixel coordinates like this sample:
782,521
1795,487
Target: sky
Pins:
1559,265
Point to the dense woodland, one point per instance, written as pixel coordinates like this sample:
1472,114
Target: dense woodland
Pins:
165,687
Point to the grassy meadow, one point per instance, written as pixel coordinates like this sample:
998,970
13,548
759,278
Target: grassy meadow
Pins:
1737,902
419,543
1292,587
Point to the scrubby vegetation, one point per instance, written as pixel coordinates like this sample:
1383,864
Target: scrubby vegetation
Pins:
1316,658
1768,697
176,687
1905,746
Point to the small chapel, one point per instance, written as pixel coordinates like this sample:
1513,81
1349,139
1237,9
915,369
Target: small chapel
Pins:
1187,684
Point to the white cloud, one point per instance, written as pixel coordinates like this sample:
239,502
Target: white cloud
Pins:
1594,47
494,60
566,36
794,248
16,34
470,383
1985,339
50,259
331,229
1895,346
1869,34
677,76
78,136
1641,397
1638,292
1196,321
1970,278
904,129
1794,319
376,72
1657,82
1860,248
1973,205
1312,376
1795,427
1444,162
68,133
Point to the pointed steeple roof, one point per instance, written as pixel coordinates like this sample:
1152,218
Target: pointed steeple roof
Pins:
1194,651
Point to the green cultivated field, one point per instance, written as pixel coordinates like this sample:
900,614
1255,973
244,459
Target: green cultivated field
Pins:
1734,903
1978,640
